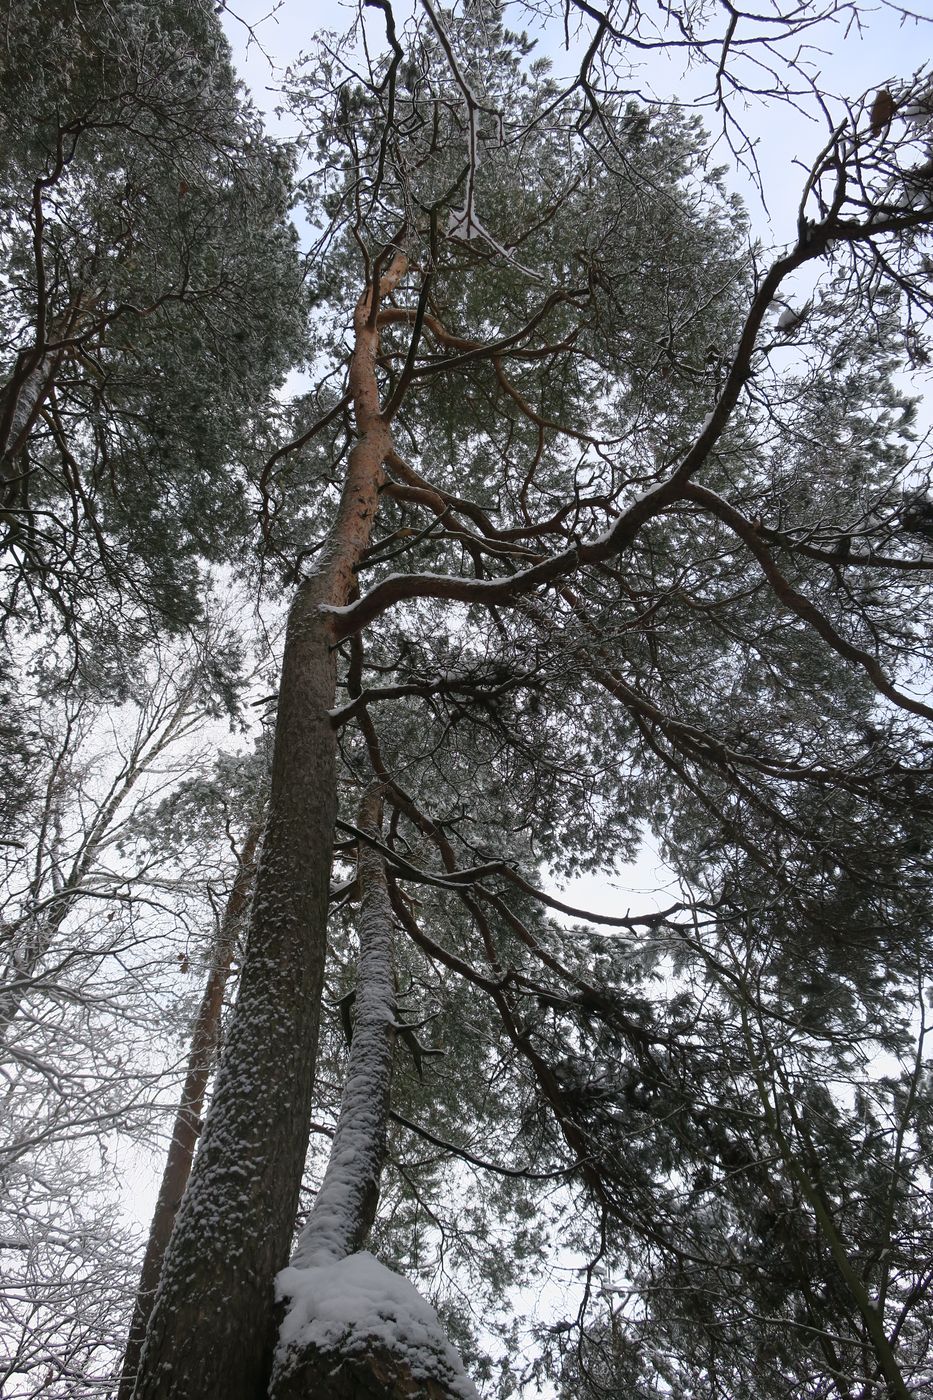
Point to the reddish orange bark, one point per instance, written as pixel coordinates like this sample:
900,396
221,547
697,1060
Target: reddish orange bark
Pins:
210,1334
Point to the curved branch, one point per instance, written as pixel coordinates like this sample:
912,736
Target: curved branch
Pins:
796,602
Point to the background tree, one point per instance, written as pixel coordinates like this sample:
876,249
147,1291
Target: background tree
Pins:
106,905
150,302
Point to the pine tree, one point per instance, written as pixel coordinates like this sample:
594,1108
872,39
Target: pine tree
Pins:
590,521
568,481
150,302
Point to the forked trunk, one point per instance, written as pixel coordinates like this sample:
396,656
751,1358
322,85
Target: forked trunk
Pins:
345,1208
210,1332
352,1327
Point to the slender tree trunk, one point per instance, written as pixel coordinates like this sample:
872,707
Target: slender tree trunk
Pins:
345,1207
187,1125
210,1334
370,1359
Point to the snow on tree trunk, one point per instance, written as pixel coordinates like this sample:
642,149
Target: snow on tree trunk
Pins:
352,1327
20,401
345,1207
355,1330
187,1123
211,1331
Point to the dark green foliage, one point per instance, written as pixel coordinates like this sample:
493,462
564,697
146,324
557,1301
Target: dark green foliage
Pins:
150,304
693,1081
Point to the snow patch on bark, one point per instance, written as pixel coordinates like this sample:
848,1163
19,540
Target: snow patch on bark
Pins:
353,1304
342,1213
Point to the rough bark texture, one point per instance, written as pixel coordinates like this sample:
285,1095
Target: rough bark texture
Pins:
352,1327
211,1330
187,1125
20,401
377,1375
345,1208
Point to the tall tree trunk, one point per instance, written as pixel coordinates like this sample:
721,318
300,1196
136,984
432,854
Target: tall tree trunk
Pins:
345,1206
387,1343
211,1330
187,1125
